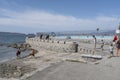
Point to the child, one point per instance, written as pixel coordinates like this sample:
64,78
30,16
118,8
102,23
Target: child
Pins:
114,44
18,53
111,49
102,45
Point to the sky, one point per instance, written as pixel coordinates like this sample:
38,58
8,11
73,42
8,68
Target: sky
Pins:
31,16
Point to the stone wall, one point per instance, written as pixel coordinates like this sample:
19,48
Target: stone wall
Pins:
52,45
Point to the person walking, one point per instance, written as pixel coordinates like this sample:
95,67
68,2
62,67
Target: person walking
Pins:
102,44
111,50
95,41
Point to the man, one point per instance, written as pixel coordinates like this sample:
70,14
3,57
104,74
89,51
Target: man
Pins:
95,42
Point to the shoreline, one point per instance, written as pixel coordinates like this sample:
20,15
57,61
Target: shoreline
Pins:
9,52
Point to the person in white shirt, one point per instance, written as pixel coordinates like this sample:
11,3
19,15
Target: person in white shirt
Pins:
111,50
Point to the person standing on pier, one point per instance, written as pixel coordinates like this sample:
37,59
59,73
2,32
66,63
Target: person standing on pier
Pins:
41,36
102,45
117,41
95,42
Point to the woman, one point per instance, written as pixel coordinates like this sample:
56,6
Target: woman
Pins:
118,47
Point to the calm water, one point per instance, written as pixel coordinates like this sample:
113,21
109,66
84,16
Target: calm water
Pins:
7,53
86,37
11,38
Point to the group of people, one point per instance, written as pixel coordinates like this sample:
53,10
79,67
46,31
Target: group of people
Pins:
116,44
47,37
95,43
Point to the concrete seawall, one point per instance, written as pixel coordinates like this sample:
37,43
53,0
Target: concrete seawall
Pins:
64,45
52,45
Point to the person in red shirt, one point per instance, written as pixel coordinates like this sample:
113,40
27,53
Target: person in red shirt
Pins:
115,38
117,41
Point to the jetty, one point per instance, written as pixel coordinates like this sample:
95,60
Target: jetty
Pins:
64,59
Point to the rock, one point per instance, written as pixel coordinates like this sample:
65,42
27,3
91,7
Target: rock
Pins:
8,71
13,45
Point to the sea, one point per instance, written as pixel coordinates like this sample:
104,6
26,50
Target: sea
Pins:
8,53
85,37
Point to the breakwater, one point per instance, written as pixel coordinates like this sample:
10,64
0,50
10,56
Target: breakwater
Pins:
52,45
64,45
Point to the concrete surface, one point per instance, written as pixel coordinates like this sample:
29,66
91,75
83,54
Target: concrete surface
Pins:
107,69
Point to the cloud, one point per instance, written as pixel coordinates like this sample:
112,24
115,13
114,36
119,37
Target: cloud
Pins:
54,22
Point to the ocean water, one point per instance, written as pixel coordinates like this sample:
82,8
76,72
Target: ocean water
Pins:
7,53
85,37
8,38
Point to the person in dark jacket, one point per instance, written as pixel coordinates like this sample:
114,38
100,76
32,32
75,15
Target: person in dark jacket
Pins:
18,52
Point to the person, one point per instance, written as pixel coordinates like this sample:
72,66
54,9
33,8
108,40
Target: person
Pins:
33,52
118,47
41,36
102,45
115,38
18,52
47,37
111,50
95,42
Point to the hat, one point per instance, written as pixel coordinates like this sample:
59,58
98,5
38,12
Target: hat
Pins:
117,31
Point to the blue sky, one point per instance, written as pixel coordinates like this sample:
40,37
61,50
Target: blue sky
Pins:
30,16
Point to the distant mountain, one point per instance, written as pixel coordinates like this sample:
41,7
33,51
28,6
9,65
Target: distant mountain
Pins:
11,33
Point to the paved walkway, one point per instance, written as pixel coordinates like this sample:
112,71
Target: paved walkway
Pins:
107,69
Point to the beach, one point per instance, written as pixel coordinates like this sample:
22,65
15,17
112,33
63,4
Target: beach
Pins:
59,40
50,65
